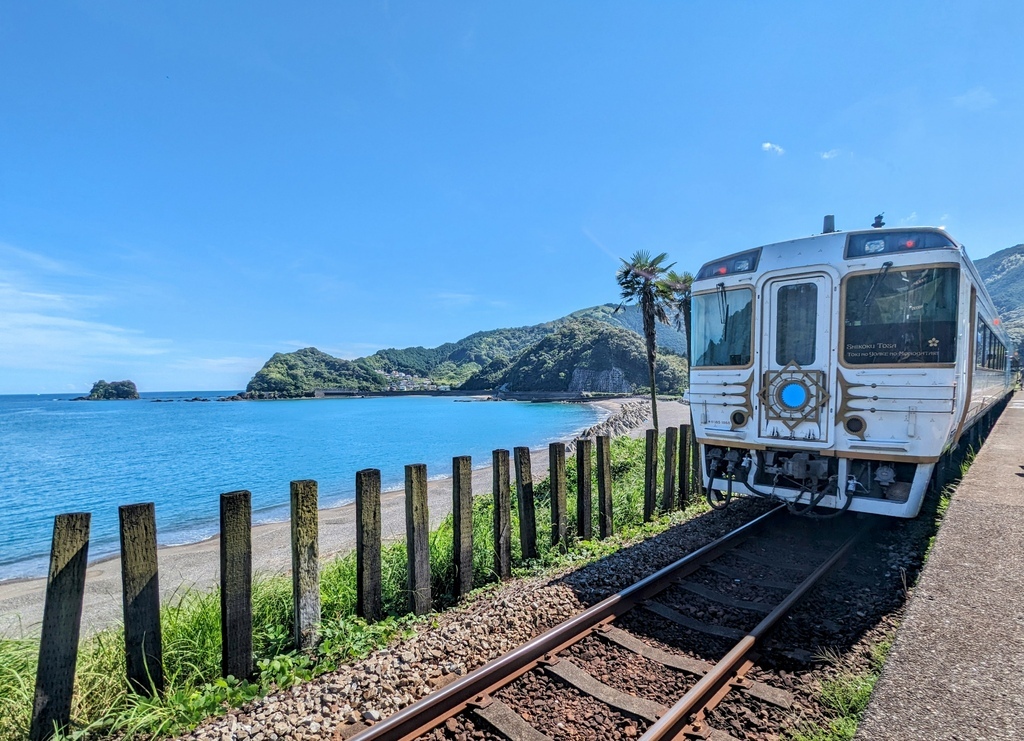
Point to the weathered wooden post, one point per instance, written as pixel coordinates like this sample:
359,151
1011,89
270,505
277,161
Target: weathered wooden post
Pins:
140,591
305,562
62,619
526,503
650,474
462,511
502,515
604,487
236,584
417,543
685,466
369,599
584,489
668,492
556,461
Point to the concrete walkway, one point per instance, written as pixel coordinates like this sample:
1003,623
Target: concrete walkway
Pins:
956,670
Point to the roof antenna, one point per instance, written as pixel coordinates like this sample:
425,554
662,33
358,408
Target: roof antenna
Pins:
829,225
878,221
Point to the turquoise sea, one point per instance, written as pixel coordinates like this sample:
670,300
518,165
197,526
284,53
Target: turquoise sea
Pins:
58,455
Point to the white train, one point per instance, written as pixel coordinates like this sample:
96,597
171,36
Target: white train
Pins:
834,371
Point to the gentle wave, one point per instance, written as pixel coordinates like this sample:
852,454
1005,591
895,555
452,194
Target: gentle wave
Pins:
62,456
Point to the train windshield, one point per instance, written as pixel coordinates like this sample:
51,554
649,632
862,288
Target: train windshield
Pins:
722,321
898,316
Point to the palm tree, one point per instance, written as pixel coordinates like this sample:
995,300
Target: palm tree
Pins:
641,279
682,294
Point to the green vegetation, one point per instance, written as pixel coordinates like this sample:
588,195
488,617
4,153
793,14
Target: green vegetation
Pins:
102,391
584,355
845,695
1003,273
300,373
662,295
191,623
478,362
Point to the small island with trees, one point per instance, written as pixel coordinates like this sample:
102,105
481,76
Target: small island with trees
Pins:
103,391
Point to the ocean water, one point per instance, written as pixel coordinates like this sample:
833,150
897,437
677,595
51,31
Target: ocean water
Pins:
59,456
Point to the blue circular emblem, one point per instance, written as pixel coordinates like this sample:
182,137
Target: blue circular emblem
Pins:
793,394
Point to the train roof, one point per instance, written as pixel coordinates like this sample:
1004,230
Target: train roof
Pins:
841,246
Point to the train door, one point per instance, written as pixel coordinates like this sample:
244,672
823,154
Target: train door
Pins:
796,343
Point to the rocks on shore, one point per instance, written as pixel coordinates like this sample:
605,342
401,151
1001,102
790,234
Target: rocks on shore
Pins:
631,415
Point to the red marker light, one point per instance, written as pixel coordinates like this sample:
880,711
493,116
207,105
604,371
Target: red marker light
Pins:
722,270
995,321
909,244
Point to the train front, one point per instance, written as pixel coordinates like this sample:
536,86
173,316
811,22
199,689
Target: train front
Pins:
824,369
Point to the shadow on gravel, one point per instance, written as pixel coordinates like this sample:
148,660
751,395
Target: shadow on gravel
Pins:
861,598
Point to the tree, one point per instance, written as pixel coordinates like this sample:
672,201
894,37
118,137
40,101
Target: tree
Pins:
641,279
681,286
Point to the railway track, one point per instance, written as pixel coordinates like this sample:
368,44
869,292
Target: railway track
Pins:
718,601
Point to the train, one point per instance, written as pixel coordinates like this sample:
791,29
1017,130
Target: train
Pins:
834,372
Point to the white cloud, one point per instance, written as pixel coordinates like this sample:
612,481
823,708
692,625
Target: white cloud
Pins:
830,154
456,299
909,220
44,326
773,148
977,99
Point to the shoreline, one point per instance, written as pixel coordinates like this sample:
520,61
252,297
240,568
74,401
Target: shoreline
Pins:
196,565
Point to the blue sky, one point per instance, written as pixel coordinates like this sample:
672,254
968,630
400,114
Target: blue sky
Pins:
187,188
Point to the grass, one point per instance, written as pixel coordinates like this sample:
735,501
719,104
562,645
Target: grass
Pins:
845,696
194,690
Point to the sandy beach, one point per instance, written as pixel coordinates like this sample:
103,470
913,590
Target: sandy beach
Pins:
197,565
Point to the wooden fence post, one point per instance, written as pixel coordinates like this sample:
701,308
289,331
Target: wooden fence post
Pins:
417,542
685,466
650,474
502,515
668,492
604,487
584,490
236,584
140,591
369,599
462,511
526,503
556,458
62,619
305,562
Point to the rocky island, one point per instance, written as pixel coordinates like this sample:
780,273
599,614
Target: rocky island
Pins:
103,391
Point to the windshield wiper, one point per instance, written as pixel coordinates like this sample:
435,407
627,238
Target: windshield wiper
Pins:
878,279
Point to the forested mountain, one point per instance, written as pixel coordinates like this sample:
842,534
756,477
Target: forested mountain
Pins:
300,373
584,355
1003,273
485,357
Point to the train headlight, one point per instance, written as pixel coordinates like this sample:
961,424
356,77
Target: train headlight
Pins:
855,425
875,245
738,418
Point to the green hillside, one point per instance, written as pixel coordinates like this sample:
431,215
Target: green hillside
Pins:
1003,273
584,355
629,317
480,361
300,373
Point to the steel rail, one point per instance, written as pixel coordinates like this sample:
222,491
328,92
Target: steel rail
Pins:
708,690
432,710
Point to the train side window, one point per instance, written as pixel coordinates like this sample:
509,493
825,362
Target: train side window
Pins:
796,323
